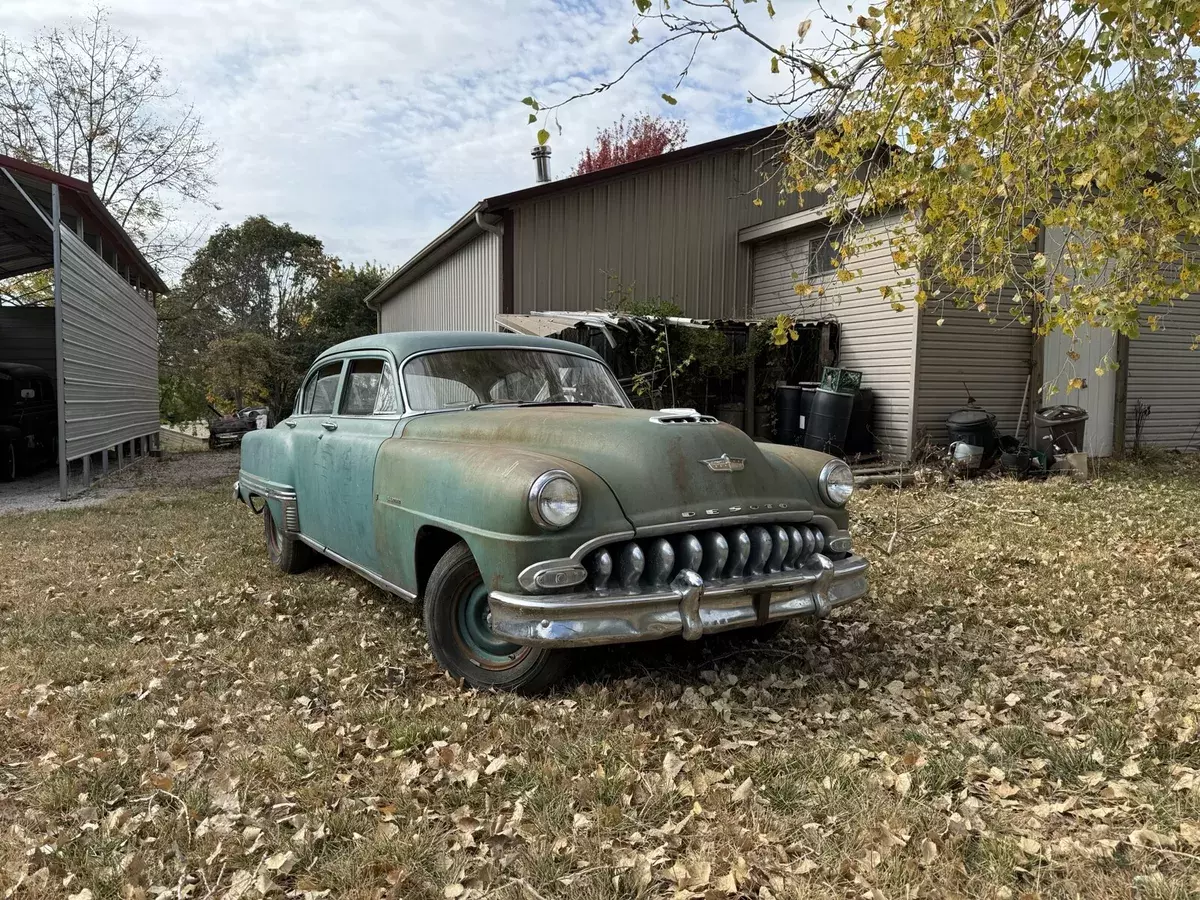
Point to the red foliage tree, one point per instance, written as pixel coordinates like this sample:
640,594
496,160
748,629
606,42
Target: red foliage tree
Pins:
630,139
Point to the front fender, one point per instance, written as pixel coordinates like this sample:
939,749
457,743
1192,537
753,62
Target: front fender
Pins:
480,493
807,464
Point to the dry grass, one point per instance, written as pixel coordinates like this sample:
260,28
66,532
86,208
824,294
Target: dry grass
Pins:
1013,713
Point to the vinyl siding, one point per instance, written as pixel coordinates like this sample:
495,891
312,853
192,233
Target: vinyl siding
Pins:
668,232
110,354
1164,373
969,353
27,336
462,293
873,338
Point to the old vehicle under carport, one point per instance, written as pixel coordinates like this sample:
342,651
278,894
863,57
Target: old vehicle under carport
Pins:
506,482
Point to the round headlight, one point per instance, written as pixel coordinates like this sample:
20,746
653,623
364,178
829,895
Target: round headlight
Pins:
836,483
554,499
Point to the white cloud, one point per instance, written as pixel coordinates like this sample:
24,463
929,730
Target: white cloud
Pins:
375,124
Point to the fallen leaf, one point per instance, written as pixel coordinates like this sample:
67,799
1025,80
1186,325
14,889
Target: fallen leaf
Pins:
743,790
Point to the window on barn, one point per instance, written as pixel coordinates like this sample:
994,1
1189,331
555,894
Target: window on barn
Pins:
824,252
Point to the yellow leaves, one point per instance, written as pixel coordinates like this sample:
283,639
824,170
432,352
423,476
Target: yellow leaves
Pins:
1083,179
1007,166
1029,232
774,65
757,201
1075,384
802,29
743,791
929,853
904,37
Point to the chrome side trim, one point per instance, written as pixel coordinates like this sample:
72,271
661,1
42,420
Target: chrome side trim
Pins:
378,580
248,486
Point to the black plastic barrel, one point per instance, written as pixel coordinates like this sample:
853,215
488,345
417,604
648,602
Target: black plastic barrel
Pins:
974,426
828,422
808,390
860,436
787,413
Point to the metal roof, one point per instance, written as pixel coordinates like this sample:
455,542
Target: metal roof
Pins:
469,226
402,344
25,239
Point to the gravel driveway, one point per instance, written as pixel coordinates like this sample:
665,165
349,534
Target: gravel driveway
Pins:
39,491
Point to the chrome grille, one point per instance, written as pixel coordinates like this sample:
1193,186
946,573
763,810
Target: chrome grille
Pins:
716,554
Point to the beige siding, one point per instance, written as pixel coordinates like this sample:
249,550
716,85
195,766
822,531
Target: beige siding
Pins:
462,293
874,338
666,232
110,354
1164,373
967,352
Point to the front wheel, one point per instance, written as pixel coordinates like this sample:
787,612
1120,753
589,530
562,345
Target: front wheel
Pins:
458,625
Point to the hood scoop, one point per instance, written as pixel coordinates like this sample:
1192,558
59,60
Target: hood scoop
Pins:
682,416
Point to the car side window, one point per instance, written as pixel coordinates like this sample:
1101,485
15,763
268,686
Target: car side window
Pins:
362,387
321,390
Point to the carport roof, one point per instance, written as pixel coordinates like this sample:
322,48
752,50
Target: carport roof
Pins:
25,239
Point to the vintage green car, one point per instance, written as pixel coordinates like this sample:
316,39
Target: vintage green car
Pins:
507,483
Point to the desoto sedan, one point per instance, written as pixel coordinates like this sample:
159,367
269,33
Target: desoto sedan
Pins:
506,483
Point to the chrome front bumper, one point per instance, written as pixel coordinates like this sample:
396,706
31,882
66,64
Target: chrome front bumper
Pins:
688,606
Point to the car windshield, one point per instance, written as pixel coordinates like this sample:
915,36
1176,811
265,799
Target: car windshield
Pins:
502,376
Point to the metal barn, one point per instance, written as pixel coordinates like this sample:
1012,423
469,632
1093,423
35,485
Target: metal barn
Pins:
100,338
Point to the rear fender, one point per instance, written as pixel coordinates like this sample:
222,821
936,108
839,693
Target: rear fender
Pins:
267,470
481,494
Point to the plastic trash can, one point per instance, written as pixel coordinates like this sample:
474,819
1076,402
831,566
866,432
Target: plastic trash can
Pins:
1060,429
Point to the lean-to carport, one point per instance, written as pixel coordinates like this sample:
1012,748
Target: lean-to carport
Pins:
105,326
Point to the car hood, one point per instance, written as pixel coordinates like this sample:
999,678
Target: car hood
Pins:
658,472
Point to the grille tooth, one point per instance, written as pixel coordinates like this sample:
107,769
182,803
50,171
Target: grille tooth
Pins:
600,567
660,562
716,554
779,548
633,561
810,544
818,540
795,548
689,553
760,550
739,552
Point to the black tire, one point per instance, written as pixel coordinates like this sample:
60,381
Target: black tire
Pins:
455,624
8,462
290,555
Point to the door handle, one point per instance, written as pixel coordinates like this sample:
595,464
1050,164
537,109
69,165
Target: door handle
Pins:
289,423
329,426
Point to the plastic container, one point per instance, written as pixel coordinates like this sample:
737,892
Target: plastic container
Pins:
860,436
829,421
1060,429
844,381
974,426
787,413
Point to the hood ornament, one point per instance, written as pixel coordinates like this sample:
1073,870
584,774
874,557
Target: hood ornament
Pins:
725,463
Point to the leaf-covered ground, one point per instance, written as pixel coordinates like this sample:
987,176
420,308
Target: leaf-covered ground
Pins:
1014,713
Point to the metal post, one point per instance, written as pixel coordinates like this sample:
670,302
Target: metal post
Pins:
120,455
87,470
56,224
104,460
1121,398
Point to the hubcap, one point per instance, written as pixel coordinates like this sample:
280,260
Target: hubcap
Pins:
489,649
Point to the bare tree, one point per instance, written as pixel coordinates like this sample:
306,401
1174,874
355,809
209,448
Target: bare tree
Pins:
94,103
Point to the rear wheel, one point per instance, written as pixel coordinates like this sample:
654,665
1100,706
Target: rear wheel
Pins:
8,462
290,555
458,625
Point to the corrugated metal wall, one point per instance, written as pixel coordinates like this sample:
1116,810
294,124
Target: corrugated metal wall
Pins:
874,338
27,336
667,232
462,293
110,354
1164,372
967,352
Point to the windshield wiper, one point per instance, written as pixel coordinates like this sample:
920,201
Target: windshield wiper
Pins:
556,403
485,403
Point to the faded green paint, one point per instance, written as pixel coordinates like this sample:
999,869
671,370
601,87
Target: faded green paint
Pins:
367,495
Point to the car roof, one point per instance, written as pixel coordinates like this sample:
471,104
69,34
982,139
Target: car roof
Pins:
403,344
22,370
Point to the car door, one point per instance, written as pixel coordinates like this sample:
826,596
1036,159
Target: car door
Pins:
366,415
311,424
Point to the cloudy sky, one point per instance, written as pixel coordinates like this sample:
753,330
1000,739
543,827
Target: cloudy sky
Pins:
375,124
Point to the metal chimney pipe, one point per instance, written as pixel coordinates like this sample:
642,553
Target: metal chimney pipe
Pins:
541,159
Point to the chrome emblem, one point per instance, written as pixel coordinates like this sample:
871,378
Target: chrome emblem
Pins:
725,463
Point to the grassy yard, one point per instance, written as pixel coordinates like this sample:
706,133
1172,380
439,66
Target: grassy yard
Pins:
1013,713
